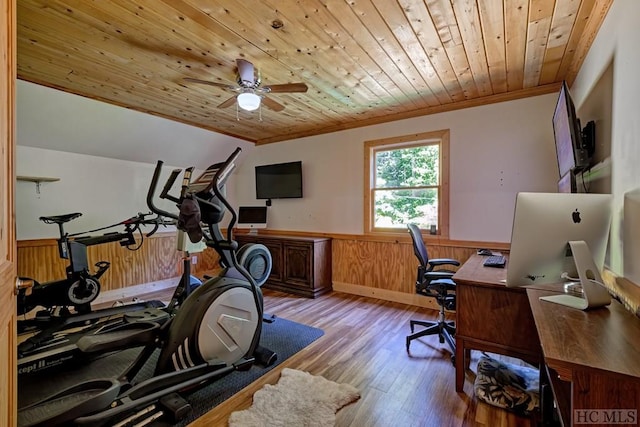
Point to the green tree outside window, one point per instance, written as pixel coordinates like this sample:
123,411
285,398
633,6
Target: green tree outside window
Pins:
406,187
406,180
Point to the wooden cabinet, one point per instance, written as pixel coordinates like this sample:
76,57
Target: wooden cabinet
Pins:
301,265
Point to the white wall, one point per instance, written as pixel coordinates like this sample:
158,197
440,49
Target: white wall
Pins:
55,120
496,151
617,42
104,156
105,191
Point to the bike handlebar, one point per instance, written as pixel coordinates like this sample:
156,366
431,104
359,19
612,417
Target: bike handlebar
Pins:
131,225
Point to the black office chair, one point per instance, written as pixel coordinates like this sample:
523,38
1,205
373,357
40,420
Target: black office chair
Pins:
434,280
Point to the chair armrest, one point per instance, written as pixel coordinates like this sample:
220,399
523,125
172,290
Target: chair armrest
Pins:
443,261
447,284
438,275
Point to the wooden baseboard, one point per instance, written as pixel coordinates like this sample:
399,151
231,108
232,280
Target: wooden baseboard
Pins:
387,295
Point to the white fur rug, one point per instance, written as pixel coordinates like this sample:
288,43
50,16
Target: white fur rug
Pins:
299,399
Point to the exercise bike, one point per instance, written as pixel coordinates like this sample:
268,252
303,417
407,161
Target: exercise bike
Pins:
71,296
213,332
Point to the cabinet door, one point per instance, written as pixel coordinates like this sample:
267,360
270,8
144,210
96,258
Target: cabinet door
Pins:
298,268
275,248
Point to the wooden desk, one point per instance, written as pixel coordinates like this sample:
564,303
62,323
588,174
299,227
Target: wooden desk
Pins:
592,358
491,317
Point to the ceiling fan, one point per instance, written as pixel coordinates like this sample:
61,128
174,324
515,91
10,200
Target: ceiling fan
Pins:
250,94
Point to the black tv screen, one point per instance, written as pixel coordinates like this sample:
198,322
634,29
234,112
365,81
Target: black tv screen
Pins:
279,181
567,134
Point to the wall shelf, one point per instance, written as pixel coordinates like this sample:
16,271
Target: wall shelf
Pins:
37,180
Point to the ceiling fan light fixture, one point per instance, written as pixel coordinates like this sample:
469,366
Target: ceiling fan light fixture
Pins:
248,101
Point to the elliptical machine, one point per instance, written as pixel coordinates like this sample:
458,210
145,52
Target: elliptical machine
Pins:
215,330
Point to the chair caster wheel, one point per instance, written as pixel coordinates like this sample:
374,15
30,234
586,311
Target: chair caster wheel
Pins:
453,360
408,344
441,339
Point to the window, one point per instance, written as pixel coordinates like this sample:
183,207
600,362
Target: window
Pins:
407,180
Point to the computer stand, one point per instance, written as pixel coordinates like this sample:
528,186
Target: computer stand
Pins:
593,290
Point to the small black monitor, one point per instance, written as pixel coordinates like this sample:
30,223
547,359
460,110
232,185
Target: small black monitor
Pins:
252,217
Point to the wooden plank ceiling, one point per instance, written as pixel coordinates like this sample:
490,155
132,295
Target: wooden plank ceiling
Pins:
364,61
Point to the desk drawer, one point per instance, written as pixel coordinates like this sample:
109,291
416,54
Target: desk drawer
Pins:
497,315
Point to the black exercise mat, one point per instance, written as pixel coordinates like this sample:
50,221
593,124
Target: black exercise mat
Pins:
283,336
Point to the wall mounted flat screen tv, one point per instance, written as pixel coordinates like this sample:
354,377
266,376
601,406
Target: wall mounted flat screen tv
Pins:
279,181
568,135
568,183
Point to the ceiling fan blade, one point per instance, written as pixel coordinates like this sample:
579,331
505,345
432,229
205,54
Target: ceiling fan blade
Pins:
246,72
206,82
229,102
272,105
287,87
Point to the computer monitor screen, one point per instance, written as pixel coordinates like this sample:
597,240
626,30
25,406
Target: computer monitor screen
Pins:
543,225
252,217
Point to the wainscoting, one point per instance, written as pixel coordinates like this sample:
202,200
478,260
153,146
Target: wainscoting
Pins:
155,260
387,269
382,267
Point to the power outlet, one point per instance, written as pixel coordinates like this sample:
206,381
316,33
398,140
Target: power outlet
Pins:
194,259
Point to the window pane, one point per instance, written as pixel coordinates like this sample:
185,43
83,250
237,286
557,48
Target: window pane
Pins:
397,208
407,167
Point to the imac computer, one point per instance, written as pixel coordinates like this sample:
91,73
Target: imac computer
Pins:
252,217
561,237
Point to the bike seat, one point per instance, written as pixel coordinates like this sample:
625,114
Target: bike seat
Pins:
60,219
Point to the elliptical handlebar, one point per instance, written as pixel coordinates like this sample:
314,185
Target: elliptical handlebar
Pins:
222,171
133,224
220,175
152,190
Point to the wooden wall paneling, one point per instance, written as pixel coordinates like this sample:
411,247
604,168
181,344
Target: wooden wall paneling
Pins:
156,259
207,260
380,267
386,270
39,260
372,264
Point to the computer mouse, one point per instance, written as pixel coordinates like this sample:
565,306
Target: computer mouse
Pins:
485,252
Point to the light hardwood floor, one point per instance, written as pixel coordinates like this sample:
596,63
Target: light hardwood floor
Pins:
364,345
